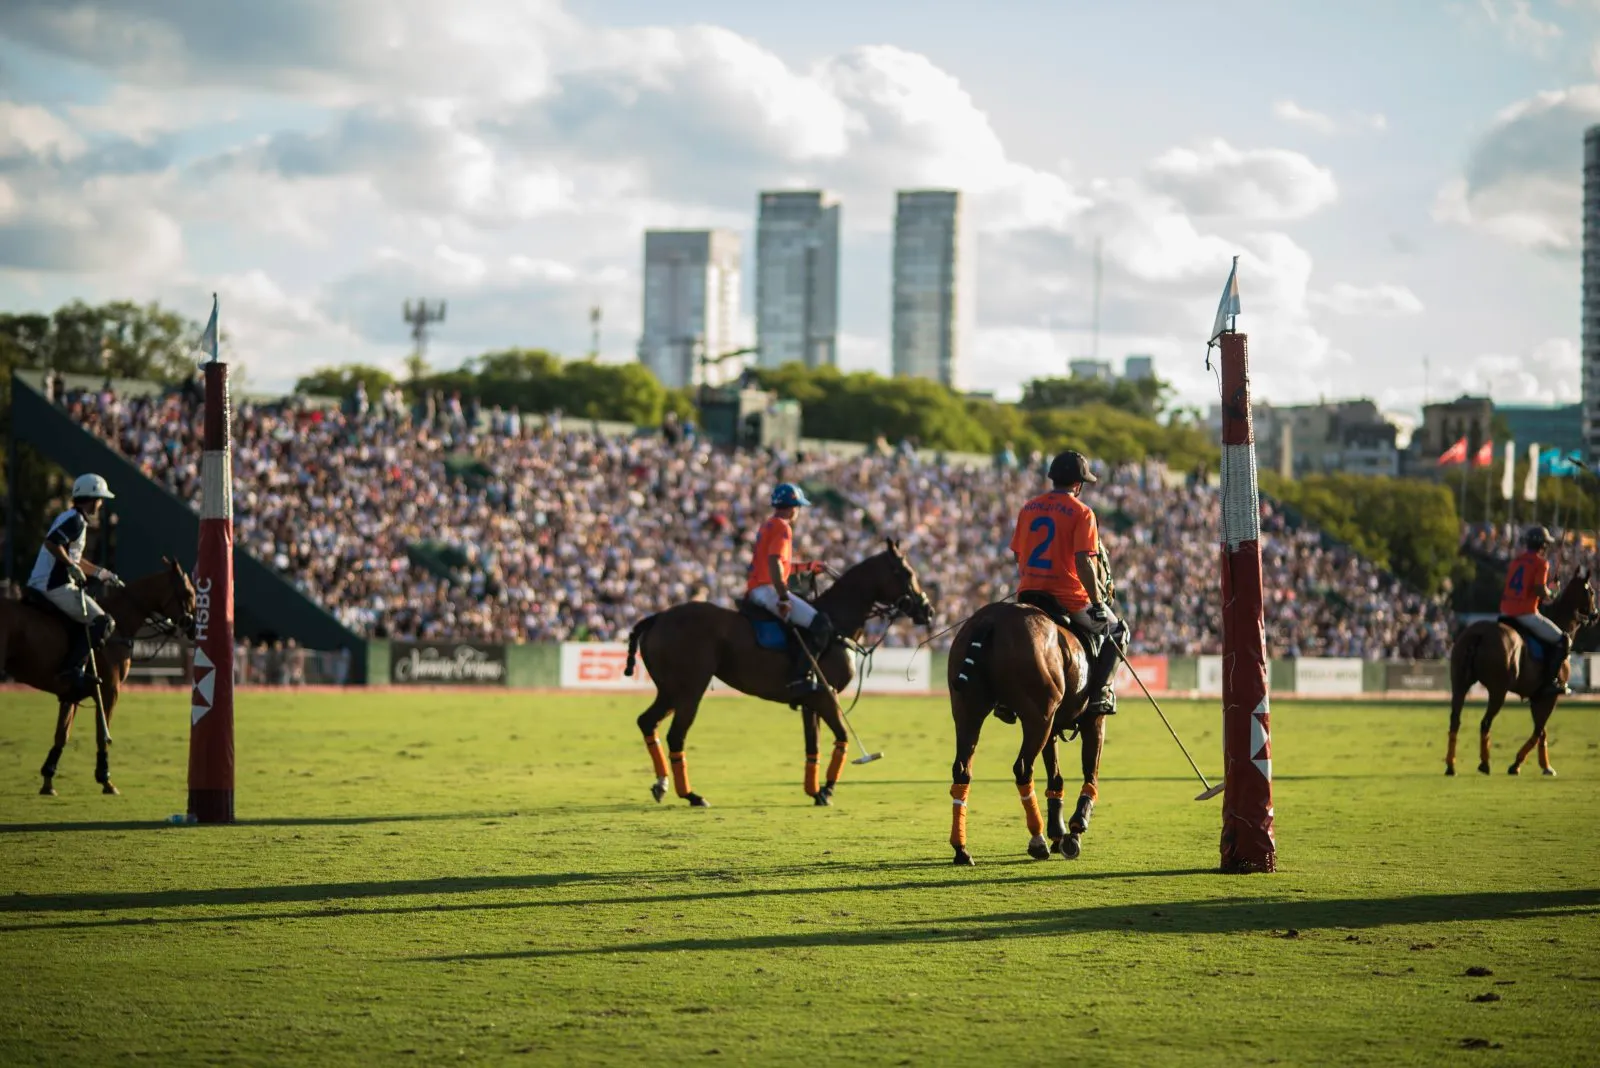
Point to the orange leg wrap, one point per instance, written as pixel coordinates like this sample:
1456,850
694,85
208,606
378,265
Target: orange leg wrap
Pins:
811,776
1483,747
680,775
1030,808
1544,751
958,814
1522,754
1450,753
657,757
1089,791
836,762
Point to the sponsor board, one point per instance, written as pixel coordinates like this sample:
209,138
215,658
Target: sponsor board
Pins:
1327,675
446,663
1208,675
1417,675
1152,672
598,666
159,662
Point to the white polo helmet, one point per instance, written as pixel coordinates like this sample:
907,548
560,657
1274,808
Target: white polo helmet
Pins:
91,486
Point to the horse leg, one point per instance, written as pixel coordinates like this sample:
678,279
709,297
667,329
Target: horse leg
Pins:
1541,707
1458,698
63,730
808,720
827,707
968,725
1055,790
1093,740
1497,698
648,720
1034,724
677,735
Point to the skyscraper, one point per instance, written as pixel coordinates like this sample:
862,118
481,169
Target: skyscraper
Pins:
797,279
934,278
1591,294
691,303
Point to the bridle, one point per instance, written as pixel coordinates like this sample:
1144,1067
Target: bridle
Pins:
158,623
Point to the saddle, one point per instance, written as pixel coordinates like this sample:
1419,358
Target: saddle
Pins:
771,632
1536,645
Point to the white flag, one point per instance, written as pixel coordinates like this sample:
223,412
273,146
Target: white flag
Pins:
1508,476
1229,305
1530,482
208,337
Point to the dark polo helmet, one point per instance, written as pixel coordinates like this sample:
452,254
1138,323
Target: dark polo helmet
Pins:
1070,467
1536,537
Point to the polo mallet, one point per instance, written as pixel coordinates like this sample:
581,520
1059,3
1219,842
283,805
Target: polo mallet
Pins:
865,757
1210,791
99,704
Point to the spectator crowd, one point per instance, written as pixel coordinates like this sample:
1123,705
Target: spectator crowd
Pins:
436,522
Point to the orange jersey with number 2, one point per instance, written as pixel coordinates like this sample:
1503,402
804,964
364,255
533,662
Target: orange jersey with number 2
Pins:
1052,530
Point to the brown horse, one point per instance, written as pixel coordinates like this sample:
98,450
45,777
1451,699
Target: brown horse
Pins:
687,645
33,645
1016,658
1496,655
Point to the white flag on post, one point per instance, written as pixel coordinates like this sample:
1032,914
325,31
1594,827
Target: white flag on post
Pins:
1228,306
1530,482
1508,476
208,336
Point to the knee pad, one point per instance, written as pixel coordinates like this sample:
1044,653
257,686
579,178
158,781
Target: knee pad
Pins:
101,629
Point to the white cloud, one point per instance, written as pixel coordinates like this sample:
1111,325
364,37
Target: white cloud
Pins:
1323,123
518,191
1267,184
1516,23
1379,301
1523,178
29,131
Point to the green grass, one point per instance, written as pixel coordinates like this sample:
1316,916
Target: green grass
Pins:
438,876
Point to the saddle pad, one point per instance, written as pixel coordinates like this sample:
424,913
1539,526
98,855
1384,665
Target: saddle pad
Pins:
771,635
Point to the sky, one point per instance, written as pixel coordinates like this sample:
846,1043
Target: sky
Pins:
1401,182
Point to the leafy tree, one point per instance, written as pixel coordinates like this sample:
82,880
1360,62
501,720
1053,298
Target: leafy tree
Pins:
341,381
121,339
1145,396
1405,525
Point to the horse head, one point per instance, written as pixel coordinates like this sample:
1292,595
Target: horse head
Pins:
899,587
1579,597
166,596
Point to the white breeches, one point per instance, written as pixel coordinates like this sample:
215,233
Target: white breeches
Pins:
75,603
800,613
1545,630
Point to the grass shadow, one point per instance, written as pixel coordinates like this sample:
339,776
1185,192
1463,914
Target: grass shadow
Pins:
1213,916
273,821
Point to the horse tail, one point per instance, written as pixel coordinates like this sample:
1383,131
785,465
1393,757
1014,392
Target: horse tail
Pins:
1462,658
635,636
974,669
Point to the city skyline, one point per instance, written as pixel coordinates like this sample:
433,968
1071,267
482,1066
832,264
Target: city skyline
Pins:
931,313
691,304
797,278
506,156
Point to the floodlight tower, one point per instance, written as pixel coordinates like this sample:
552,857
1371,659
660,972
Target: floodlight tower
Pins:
421,315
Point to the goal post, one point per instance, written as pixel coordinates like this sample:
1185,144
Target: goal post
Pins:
211,696
1247,839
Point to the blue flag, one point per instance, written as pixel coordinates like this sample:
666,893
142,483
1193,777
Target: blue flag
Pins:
208,337
1229,305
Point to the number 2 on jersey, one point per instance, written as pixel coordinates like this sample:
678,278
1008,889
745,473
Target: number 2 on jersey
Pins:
1040,557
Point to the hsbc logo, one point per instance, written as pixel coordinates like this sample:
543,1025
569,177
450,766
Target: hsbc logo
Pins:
202,608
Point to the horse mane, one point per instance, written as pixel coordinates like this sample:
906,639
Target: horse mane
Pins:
843,600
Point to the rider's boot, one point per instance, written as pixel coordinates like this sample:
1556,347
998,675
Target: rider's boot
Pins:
802,682
1556,656
1102,694
75,669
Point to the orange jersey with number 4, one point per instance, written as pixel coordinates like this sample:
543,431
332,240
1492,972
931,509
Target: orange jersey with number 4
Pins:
776,539
1052,530
1525,584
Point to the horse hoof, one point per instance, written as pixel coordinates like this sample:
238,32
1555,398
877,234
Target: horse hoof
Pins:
1515,769
1055,845
1071,847
1038,851
1449,769
50,791
1484,768
963,858
657,791
107,788
696,801
821,800
1550,773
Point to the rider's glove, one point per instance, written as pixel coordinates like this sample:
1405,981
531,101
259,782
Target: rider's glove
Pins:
75,574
